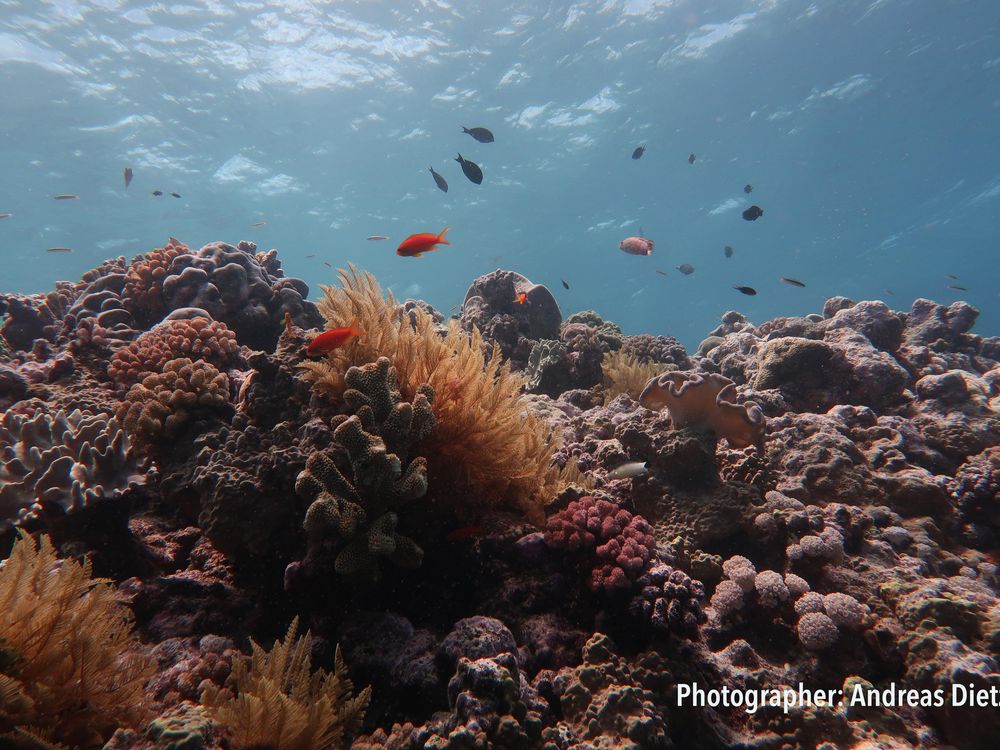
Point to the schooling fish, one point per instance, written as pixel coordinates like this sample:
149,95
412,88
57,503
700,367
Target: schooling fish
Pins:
951,276
636,246
691,159
957,288
439,180
748,188
521,299
258,224
176,195
629,470
471,170
747,290
686,268
662,273
753,213
328,264
792,282
157,193
565,285
483,135
128,176
377,237
333,339
6,216
639,151
66,197
417,244
728,250
59,250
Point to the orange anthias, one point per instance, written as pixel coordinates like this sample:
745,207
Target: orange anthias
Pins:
333,339
521,299
416,244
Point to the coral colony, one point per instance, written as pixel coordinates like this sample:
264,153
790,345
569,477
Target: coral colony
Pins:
510,529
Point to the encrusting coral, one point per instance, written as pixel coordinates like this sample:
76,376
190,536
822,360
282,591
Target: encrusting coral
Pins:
487,448
71,673
377,440
280,704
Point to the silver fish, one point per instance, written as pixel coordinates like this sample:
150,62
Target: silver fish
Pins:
629,470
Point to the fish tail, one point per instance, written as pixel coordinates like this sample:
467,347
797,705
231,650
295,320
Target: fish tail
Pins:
459,159
440,238
465,129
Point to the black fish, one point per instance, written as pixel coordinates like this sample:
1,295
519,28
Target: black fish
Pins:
747,290
662,273
176,195
157,193
128,176
691,159
958,288
748,188
439,180
951,276
471,170
792,282
483,135
728,250
639,151
686,268
565,285
753,213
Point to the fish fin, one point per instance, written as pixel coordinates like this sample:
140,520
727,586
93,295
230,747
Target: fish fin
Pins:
354,329
465,129
459,159
440,238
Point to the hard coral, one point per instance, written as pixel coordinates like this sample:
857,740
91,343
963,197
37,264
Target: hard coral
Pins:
155,410
143,294
377,440
198,338
279,703
59,461
75,675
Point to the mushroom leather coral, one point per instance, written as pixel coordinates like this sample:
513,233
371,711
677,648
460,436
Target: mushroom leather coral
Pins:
281,704
70,673
487,448
701,401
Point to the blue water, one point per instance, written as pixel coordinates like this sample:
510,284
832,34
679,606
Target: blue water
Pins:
867,129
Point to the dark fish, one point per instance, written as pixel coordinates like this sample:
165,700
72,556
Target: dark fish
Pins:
6,216
471,170
753,213
728,250
890,292
957,288
565,285
686,268
128,176
639,151
662,273
313,255
791,282
439,180
157,193
483,135
748,188
67,197
59,250
951,276
328,265
747,290
176,195
258,224
691,159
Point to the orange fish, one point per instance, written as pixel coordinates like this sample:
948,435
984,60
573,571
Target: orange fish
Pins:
521,299
333,339
417,244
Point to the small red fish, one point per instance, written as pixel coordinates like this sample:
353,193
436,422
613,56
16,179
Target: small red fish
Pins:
466,532
417,244
521,299
333,339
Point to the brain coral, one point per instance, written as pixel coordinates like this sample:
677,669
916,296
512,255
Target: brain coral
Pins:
60,461
197,338
702,401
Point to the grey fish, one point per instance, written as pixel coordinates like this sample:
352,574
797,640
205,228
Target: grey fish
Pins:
67,197
176,195
629,470
792,282
747,290
728,250
753,213
691,159
686,268
128,176
957,288
157,193
748,188
6,216
639,151
565,285
951,276
471,170
483,135
439,180
59,250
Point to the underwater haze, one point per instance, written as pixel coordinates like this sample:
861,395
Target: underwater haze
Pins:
867,130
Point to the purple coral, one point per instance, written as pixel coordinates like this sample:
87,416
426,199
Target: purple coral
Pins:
670,600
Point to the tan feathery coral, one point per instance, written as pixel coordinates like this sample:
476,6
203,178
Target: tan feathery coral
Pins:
487,447
197,338
282,705
154,410
624,373
74,676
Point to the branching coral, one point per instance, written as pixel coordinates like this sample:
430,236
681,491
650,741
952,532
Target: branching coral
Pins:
703,401
281,704
487,447
362,509
75,676
624,373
